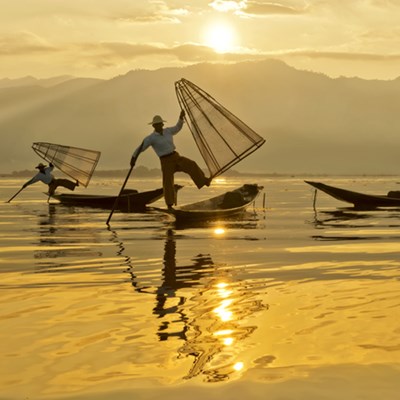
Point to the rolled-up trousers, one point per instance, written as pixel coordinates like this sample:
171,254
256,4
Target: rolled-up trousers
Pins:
175,163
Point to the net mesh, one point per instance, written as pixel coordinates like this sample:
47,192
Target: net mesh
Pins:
75,162
222,138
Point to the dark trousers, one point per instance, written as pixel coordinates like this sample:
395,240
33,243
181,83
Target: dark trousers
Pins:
176,163
55,183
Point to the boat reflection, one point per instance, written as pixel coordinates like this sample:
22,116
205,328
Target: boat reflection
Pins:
69,243
63,234
345,217
351,224
212,320
246,220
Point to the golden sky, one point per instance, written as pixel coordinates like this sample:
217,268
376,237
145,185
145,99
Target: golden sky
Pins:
105,38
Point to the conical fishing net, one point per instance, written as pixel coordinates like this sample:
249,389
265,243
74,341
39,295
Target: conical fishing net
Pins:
222,138
75,162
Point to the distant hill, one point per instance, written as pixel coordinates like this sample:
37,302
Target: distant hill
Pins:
312,123
31,81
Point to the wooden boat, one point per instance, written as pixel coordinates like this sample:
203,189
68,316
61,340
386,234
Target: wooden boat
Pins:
359,200
130,200
225,205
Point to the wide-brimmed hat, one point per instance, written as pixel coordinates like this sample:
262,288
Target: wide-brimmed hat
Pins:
40,165
156,120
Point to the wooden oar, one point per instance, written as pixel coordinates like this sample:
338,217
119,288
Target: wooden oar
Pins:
119,195
15,195
123,187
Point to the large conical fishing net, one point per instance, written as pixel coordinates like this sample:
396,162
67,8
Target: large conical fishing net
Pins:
75,162
222,138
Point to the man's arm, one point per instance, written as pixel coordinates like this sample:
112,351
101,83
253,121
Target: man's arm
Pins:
173,130
33,180
143,146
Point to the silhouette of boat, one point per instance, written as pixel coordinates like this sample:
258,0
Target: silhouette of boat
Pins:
359,200
130,200
224,205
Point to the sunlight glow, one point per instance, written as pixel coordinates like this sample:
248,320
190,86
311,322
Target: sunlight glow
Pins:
223,332
219,231
220,37
227,5
238,366
222,311
223,292
228,341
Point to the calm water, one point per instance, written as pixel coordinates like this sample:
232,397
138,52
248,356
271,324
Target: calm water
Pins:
286,303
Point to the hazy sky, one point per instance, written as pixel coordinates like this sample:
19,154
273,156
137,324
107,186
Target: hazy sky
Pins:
105,38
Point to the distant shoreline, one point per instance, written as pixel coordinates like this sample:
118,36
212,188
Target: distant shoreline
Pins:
144,172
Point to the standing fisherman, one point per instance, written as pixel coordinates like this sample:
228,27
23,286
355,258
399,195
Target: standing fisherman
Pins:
161,139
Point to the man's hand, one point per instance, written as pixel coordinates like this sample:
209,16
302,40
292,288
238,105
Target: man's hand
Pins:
182,114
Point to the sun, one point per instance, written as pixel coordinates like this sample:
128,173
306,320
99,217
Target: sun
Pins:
219,36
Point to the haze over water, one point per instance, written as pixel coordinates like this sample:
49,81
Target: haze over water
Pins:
287,302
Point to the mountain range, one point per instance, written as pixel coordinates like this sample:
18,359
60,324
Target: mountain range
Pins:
312,123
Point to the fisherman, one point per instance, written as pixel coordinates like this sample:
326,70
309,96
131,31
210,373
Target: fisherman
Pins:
161,139
44,175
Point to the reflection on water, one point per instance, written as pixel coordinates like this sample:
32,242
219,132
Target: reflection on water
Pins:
218,328
209,319
169,305
247,220
70,242
198,302
61,234
281,304
350,224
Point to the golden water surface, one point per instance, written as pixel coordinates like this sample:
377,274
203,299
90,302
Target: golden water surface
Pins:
287,302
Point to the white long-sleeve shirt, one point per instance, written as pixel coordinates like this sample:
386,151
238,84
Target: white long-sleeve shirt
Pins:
45,177
162,144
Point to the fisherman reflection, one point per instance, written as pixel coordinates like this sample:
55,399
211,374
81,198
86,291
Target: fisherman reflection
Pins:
173,280
48,237
210,321
47,225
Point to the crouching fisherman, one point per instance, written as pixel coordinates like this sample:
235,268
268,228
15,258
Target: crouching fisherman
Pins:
44,175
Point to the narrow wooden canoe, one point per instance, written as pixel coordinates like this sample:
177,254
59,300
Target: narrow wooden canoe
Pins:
225,205
130,200
359,200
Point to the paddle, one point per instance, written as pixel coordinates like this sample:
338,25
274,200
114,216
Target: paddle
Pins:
119,194
15,195
123,187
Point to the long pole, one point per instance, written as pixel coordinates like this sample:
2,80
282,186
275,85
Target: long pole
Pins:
119,194
123,185
15,195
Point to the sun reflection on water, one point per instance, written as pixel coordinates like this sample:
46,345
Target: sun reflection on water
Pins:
238,366
218,329
219,231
